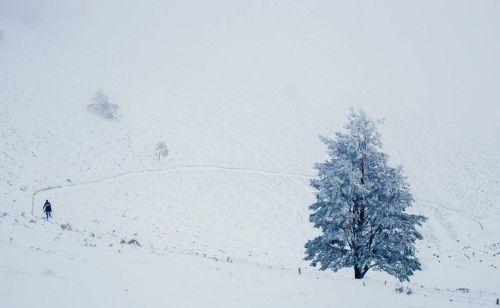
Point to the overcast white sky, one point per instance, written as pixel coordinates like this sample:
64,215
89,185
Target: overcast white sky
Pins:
444,53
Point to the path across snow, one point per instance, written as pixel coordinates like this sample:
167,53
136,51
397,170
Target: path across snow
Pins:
166,170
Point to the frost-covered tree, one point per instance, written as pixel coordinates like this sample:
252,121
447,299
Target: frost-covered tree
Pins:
161,149
361,205
101,106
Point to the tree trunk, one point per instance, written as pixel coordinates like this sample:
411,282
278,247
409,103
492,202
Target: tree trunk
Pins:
359,273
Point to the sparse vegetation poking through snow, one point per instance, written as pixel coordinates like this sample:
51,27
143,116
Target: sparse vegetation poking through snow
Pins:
360,207
161,150
66,226
132,242
102,107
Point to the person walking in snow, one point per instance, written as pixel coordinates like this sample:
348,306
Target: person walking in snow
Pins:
47,208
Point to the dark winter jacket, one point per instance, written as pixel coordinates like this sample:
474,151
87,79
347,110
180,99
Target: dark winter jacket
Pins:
47,207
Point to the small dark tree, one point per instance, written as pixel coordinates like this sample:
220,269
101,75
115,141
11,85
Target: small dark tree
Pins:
361,207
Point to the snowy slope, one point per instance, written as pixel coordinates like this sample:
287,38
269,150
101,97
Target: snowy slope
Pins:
239,92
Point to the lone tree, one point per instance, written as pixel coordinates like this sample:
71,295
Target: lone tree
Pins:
102,107
361,205
162,149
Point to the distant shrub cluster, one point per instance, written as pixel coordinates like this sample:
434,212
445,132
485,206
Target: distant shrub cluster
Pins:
102,107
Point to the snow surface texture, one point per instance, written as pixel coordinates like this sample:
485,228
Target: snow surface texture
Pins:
239,91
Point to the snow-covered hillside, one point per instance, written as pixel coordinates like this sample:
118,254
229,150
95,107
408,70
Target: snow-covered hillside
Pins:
239,91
